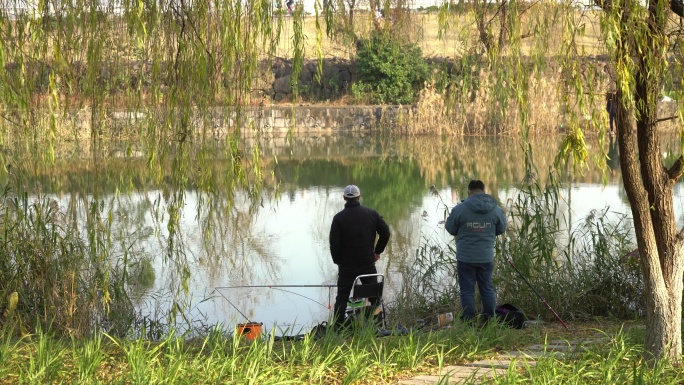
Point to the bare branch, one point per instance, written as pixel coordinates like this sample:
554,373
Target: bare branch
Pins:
675,171
605,5
7,118
666,119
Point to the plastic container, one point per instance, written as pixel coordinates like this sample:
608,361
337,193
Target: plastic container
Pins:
251,330
445,319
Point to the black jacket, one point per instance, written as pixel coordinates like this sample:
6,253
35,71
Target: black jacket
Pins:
352,235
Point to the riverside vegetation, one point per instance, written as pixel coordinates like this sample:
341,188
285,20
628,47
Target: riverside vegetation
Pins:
600,297
359,359
66,315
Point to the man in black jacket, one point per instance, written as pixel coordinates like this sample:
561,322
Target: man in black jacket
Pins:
353,246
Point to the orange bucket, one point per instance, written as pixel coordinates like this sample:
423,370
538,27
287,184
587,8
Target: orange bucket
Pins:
251,330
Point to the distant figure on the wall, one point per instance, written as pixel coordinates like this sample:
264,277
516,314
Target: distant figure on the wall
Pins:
611,108
290,5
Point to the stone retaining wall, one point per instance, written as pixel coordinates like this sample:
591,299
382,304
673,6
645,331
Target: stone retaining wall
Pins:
279,119
335,80
312,119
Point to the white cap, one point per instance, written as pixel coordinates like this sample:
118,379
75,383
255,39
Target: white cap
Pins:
351,191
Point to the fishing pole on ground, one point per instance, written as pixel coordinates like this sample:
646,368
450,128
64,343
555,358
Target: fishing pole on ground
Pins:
510,262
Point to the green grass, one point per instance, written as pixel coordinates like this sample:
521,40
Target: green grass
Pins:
87,355
359,357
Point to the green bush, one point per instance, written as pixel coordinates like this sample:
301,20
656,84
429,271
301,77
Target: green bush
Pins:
390,72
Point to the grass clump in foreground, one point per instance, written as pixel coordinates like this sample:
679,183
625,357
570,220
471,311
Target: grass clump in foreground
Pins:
360,357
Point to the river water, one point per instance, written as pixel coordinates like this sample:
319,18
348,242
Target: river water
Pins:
283,239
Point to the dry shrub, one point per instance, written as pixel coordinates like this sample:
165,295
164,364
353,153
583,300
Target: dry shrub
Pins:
491,109
484,111
545,113
429,116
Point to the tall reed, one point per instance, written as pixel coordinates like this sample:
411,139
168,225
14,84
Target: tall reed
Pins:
583,268
62,274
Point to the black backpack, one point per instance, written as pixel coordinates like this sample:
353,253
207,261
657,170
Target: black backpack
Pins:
511,316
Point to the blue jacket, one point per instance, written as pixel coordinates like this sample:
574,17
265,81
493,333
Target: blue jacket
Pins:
476,222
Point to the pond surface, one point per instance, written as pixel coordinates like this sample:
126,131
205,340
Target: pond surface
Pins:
281,245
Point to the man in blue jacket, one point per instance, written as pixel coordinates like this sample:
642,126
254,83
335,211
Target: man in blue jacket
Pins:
353,246
476,223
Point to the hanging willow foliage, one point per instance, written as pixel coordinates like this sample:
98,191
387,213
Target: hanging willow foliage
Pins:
162,74
166,77
76,69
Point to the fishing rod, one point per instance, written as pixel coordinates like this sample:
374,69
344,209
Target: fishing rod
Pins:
303,296
282,288
233,305
328,285
510,262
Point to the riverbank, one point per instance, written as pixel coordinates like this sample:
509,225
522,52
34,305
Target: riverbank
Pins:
602,351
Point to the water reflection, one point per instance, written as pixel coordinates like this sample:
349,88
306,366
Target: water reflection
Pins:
227,241
613,156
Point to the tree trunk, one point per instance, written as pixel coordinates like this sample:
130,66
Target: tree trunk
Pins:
486,37
352,6
373,4
649,186
649,189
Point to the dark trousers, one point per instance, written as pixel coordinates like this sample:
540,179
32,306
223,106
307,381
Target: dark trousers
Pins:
345,282
611,117
470,274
